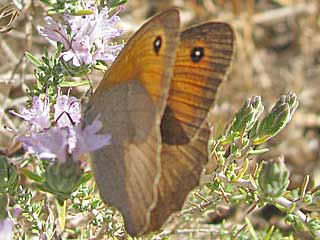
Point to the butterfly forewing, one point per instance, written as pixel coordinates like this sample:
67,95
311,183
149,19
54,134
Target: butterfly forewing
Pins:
203,59
130,101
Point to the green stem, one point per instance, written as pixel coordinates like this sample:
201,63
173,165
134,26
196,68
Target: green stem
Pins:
61,207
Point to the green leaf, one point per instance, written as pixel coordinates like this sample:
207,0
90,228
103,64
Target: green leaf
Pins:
116,3
44,188
8,176
35,61
224,140
251,229
74,84
269,233
82,12
4,201
258,151
33,176
46,61
46,2
86,177
260,140
101,67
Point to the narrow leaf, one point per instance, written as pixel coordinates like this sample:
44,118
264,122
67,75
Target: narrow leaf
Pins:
35,61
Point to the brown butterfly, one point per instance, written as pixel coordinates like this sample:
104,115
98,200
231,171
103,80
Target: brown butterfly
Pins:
154,101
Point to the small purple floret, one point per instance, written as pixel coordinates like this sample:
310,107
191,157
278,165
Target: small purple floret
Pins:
67,111
37,116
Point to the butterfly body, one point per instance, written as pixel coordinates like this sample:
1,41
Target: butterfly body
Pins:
154,101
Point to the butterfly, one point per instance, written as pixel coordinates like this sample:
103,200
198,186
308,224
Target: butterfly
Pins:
154,101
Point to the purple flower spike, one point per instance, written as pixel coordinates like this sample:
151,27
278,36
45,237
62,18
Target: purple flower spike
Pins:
67,111
37,116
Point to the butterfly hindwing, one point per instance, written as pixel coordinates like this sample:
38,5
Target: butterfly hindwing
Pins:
130,101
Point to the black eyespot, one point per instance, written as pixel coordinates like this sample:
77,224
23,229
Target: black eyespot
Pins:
197,54
157,44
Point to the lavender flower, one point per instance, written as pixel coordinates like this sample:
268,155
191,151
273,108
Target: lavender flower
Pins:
67,138
90,36
60,143
37,116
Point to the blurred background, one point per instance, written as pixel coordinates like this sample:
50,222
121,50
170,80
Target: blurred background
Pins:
278,50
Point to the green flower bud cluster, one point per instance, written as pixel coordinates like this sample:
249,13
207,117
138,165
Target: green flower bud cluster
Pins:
62,179
247,131
277,119
246,122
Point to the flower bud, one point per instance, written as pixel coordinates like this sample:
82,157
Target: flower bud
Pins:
273,178
278,118
62,179
247,115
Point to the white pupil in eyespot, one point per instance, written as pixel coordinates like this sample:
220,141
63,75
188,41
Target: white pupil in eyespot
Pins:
197,53
157,43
